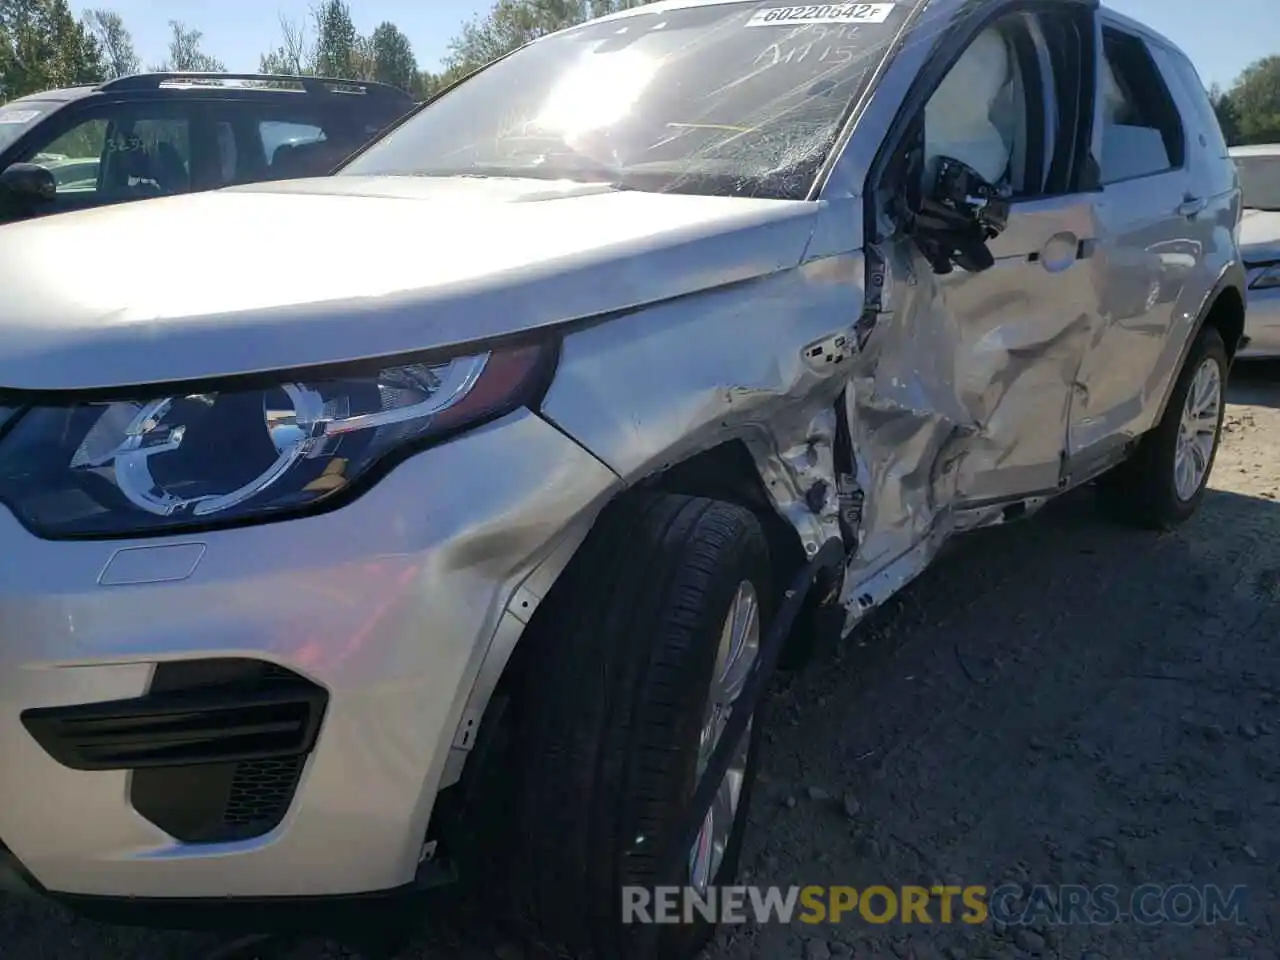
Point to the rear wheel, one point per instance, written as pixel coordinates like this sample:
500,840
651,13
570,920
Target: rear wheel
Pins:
1163,483
640,654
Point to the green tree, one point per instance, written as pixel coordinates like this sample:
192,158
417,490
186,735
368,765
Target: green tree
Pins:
185,55
337,42
428,84
513,23
42,46
118,56
1256,98
1228,115
362,65
393,59
296,54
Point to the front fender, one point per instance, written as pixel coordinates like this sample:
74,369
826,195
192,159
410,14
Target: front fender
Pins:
759,362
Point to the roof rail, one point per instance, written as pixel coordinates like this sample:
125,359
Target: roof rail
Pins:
313,85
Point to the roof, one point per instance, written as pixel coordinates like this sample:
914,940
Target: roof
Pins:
256,82
1257,150
61,95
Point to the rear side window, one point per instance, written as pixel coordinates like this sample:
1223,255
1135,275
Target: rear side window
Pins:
277,133
1205,120
1142,133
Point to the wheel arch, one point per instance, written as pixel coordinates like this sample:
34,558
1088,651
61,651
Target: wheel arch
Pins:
1226,315
727,472
1224,310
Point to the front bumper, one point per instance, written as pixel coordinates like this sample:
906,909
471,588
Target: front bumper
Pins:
340,914
386,605
1262,322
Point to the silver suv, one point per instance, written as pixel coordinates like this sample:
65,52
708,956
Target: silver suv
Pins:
467,514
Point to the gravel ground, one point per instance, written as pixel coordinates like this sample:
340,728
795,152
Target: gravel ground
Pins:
1056,702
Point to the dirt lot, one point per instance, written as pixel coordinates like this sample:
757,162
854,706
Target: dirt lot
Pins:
1058,702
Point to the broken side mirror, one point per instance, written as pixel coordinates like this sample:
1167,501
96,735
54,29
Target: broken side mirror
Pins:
28,183
958,218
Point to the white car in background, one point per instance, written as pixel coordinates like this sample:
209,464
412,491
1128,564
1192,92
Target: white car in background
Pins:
1259,168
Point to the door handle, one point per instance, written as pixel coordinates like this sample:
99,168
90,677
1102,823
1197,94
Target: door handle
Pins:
1191,206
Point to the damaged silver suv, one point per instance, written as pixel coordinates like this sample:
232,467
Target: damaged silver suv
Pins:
458,505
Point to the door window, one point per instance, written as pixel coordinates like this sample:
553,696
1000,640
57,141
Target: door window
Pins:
278,133
1007,108
157,153
126,152
1179,68
74,157
978,114
1142,133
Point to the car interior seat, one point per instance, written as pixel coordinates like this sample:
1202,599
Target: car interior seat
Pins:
295,160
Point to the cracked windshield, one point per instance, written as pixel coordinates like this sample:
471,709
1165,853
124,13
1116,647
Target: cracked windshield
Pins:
713,98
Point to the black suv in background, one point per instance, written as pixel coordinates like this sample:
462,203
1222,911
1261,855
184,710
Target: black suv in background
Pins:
158,134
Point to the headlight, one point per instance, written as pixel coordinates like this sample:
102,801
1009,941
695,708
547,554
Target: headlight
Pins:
1268,279
147,465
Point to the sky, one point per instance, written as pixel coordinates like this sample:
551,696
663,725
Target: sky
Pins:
1221,36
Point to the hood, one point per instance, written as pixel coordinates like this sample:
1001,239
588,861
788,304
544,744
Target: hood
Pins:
1260,235
294,274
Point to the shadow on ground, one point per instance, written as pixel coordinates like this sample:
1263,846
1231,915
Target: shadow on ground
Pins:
1061,702
1256,383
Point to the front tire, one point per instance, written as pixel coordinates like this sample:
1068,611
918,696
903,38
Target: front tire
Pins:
636,654
1162,484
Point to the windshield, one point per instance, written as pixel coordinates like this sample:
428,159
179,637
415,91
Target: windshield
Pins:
17,118
1260,180
736,98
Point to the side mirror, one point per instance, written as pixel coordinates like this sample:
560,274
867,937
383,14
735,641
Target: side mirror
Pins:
958,218
29,182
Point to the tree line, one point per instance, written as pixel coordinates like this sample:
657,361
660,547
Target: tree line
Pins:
1250,111
326,43
42,45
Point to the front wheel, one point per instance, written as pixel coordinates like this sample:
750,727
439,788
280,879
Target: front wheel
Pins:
639,656
1163,483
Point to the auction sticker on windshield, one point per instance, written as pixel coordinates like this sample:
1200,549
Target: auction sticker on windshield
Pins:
822,13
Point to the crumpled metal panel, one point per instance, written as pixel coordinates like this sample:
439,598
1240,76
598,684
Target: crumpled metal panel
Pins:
958,405
761,362
932,403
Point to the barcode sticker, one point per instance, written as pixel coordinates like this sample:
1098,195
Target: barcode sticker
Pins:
821,13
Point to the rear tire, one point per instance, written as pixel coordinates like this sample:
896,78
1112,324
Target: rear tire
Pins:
627,652
1154,489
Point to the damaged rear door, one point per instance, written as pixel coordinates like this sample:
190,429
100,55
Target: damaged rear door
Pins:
989,353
